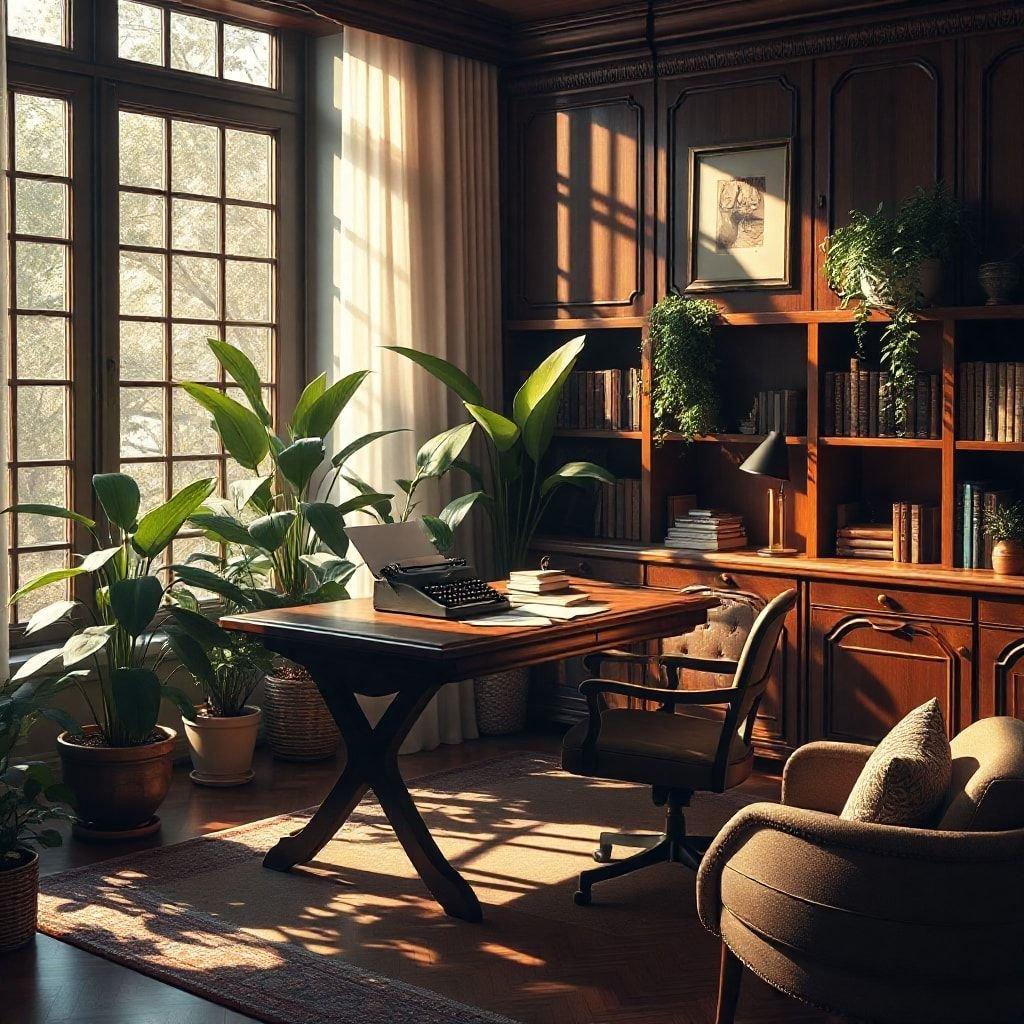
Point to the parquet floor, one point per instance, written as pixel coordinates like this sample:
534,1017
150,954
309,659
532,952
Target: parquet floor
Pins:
52,983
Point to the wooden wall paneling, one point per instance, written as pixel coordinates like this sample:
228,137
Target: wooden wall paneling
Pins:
885,123
736,106
580,191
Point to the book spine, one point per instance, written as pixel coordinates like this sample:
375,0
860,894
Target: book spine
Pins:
915,533
921,410
1001,401
839,404
934,406
897,544
1011,401
884,405
873,403
991,416
828,409
1018,403
968,540
977,545
863,414
853,411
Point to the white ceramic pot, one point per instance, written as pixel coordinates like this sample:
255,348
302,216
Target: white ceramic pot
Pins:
222,748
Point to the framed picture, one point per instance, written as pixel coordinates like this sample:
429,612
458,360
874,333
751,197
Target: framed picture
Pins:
740,198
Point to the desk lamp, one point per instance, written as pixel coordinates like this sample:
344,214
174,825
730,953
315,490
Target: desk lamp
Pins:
771,459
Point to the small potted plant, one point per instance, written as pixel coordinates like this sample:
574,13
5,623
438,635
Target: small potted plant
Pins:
1005,525
118,766
30,798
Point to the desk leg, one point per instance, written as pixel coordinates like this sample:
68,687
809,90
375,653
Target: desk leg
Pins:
372,763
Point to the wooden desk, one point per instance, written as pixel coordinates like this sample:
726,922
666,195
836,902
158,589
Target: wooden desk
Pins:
351,650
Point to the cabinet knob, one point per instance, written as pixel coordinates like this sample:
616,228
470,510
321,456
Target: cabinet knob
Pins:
964,652
727,580
887,602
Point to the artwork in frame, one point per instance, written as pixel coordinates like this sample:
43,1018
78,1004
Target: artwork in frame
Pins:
740,199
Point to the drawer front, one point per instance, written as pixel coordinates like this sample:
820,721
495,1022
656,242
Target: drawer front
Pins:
676,578
882,599
1001,611
609,570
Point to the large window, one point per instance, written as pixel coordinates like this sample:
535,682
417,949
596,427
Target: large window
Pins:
151,210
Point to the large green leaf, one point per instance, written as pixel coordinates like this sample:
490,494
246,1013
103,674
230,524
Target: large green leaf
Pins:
577,473
438,455
327,408
535,406
158,528
255,491
270,531
458,508
35,663
381,503
44,580
136,696
95,560
221,527
500,429
134,602
49,615
243,434
299,461
330,591
350,449
327,521
312,391
440,533
203,579
329,568
191,652
85,644
445,372
239,367
119,495
201,629
52,511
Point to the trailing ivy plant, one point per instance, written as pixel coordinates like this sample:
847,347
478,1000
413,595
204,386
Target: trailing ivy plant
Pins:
876,259
683,393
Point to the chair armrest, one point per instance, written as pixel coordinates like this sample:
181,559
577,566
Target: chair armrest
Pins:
819,776
719,666
591,688
594,660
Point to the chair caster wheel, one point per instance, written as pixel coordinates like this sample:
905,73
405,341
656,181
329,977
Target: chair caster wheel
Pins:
603,854
581,899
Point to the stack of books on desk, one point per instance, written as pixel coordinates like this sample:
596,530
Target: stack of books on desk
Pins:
548,592
707,529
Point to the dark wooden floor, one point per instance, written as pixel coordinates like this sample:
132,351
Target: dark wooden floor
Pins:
51,982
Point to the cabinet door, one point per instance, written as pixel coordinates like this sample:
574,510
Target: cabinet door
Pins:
1000,672
866,672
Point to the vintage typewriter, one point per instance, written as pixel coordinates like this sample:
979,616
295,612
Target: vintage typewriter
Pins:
416,580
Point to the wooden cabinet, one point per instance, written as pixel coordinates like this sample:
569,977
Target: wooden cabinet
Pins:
1000,672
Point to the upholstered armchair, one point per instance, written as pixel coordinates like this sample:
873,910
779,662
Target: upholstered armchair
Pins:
878,922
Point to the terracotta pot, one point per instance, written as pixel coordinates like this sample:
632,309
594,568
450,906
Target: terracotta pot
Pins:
298,725
1008,558
222,748
117,789
501,701
999,278
19,902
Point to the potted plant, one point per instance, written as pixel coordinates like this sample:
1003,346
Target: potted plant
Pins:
30,798
893,262
119,766
683,393
515,489
285,542
1005,525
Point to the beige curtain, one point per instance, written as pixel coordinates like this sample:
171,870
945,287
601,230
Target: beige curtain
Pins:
414,258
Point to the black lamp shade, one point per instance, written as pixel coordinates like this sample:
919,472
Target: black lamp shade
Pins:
769,458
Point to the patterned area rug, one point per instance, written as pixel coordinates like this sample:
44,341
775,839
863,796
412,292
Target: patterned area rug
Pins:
354,938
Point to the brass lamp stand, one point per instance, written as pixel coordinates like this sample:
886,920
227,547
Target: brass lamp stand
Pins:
771,459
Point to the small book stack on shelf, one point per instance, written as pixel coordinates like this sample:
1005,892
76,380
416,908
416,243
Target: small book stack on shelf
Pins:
775,410
991,402
858,404
707,529
617,510
601,400
915,533
865,540
974,500
912,534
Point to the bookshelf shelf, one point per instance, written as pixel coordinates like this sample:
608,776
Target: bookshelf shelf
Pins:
621,435
880,442
578,324
751,439
990,446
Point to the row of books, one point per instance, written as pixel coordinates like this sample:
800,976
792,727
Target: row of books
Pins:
974,500
858,403
991,402
617,511
601,400
706,529
781,410
913,534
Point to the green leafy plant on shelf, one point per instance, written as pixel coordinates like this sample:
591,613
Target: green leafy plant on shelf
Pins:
127,594
1005,522
892,262
683,393
514,490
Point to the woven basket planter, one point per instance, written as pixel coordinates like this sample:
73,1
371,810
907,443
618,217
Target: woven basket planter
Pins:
19,899
501,702
296,720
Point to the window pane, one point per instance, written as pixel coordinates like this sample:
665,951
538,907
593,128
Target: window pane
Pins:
31,565
42,431
152,483
41,272
248,290
140,32
142,350
142,284
195,287
40,134
255,342
41,208
191,356
193,44
142,219
195,158
184,473
42,21
191,432
248,231
195,224
247,166
42,485
142,421
142,156
41,347
247,55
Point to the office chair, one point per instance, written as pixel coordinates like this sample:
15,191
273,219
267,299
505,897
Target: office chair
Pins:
677,755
